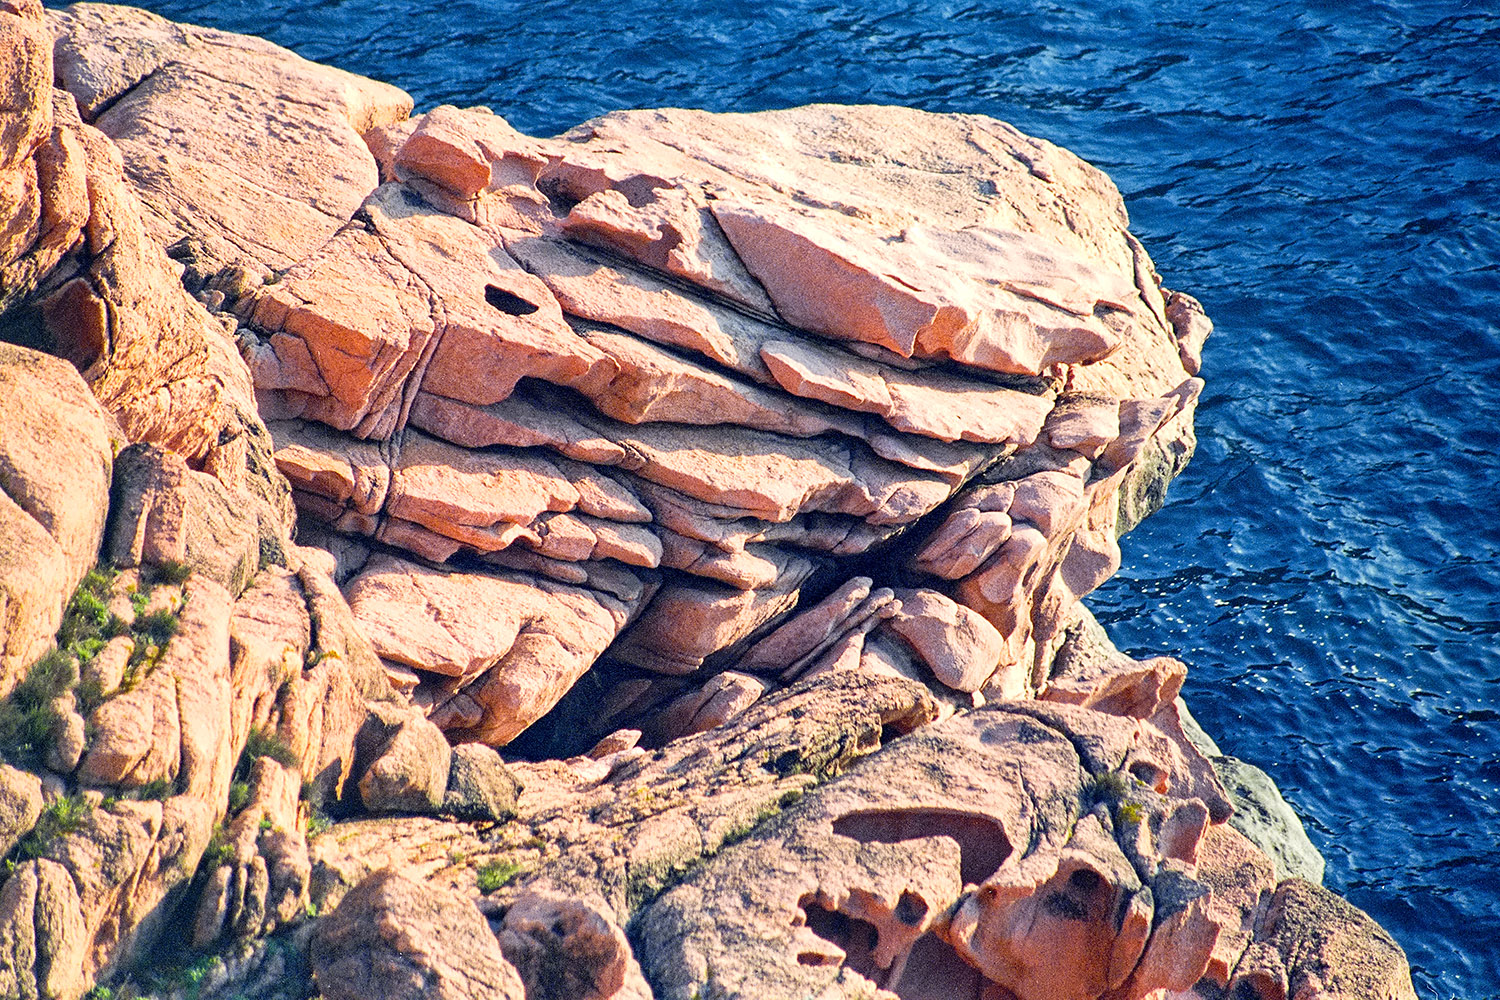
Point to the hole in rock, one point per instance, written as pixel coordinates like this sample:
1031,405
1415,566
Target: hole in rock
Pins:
1086,881
982,844
910,909
508,302
1065,906
1084,896
1150,775
856,938
558,194
1256,986
935,972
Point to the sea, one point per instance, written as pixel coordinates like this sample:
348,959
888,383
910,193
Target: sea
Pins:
1325,177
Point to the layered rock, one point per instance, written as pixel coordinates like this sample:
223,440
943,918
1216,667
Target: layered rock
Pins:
757,449
647,367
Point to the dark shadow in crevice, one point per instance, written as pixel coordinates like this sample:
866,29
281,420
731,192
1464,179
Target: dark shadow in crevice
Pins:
982,844
508,302
854,937
935,972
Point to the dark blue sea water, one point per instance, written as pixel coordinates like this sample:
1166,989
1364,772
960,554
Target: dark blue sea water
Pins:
1326,178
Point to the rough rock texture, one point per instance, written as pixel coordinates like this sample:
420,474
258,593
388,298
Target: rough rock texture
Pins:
56,449
394,938
649,363
766,455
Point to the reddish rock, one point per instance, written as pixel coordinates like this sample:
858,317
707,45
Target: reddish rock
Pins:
394,938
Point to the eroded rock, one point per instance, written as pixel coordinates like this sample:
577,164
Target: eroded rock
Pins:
394,937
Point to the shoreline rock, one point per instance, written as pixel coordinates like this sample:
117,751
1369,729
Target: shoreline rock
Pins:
752,494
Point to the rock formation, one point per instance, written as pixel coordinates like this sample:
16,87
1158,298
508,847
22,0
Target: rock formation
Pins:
738,477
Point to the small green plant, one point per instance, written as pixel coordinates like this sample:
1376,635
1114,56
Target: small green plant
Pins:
1111,786
28,721
218,852
314,658
265,743
496,874
239,795
318,822
100,993
157,627
1129,814
61,817
157,789
171,571
138,601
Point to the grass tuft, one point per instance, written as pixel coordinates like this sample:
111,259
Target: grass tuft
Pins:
496,874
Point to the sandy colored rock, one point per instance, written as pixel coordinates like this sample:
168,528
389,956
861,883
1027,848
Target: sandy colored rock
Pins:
1313,943
393,937
138,76
411,773
565,946
923,864
56,450
515,646
960,647
20,804
479,786
167,513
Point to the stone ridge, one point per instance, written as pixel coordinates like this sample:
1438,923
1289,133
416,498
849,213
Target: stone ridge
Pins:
737,476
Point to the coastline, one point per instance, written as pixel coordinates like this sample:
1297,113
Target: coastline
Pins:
430,156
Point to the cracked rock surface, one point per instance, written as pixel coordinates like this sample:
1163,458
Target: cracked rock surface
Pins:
691,517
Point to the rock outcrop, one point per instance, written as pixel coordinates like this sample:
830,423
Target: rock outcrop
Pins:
744,472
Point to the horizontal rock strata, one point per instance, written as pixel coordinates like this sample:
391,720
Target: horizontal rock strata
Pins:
737,476
646,361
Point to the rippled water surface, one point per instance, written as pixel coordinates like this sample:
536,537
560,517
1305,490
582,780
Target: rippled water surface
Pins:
1326,178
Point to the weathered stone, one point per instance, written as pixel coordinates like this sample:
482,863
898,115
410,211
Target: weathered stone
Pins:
479,786
20,804
1037,879
56,449
960,647
411,772
1267,820
164,512
1311,943
567,947
515,645
137,76
393,938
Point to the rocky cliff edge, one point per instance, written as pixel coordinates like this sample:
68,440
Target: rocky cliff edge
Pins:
439,561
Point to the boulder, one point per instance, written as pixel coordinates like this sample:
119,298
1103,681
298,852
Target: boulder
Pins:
57,447
479,786
20,805
410,771
395,938
1311,943
569,947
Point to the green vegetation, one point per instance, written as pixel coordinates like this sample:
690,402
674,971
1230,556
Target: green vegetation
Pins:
496,874
318,822
218,852
62,816
239,795
29,723
156,627
264,743
157,788
171,571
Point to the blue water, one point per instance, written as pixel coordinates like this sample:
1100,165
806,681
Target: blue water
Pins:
1326,178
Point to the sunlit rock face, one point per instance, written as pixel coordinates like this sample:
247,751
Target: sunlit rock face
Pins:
670,377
